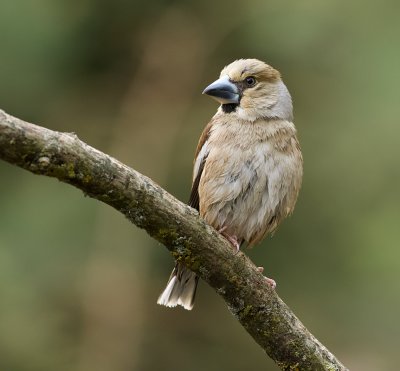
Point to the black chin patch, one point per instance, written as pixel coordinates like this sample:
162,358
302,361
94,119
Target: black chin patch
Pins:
229,107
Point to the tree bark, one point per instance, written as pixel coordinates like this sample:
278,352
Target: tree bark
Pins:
177,226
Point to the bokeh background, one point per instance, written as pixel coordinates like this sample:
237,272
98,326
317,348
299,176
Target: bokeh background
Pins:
79,283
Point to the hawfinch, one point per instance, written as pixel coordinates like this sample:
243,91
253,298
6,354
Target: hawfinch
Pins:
248,165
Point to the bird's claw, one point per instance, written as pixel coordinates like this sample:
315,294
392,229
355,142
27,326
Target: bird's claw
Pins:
270,281
232,239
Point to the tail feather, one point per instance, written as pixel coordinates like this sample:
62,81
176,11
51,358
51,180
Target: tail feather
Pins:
181,288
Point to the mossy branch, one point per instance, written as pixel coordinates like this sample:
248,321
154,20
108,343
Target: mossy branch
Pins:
177,226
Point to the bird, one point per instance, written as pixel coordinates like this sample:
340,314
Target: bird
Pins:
248,165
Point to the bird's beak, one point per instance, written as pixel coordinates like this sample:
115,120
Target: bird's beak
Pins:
223,91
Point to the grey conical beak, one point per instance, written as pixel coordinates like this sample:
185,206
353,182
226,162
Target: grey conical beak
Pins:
223,91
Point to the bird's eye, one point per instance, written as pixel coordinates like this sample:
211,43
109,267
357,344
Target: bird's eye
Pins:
250,81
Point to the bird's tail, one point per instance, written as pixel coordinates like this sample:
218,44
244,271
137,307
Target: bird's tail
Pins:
181,288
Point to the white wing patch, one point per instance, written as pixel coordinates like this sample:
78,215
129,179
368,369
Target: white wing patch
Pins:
202,154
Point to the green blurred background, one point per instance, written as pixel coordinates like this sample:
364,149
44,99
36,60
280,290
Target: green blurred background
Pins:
79,283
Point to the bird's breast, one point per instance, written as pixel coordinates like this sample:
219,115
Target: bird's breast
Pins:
248,177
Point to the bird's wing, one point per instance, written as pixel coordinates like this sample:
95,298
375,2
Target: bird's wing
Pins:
199,162
194,200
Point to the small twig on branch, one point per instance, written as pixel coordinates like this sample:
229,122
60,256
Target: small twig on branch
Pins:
190,240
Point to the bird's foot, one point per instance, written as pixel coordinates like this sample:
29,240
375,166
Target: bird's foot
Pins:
270,281
232,239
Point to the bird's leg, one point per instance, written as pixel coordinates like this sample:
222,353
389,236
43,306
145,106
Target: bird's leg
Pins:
270,281
232,239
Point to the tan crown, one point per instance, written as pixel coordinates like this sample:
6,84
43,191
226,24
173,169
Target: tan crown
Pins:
242,68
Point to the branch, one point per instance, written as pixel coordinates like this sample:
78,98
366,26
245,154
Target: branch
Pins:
190,240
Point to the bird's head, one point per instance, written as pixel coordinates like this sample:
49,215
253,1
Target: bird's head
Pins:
251,89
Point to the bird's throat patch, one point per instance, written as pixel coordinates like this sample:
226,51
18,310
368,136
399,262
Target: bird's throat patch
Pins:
229,107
